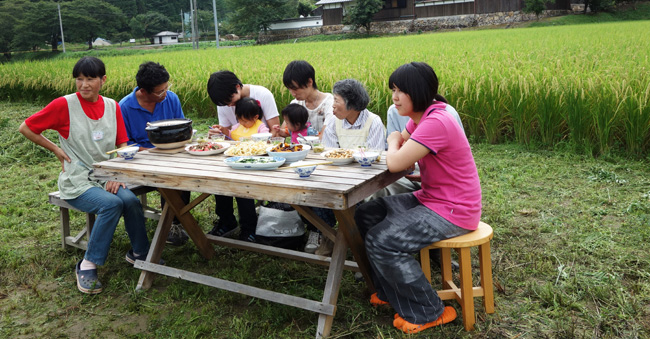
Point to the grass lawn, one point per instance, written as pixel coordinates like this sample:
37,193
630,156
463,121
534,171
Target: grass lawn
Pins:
569,255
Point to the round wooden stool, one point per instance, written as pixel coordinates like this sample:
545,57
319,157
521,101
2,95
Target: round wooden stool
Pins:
467,292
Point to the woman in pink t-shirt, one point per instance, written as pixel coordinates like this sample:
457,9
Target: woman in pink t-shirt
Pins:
448,205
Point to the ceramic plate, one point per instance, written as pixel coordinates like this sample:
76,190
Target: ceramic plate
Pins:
224,146
255,163
337,161
247,148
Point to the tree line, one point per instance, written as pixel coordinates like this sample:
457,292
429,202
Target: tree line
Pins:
34,24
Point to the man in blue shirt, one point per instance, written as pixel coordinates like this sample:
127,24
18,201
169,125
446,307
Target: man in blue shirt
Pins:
151,101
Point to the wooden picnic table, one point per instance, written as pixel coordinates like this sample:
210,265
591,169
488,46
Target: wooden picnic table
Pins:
338,188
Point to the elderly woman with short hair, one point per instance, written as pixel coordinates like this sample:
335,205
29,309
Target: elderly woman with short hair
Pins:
355,125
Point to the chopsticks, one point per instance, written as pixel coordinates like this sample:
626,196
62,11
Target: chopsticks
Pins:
309,164
121,148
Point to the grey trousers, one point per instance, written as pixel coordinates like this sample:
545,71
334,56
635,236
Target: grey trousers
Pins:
395,228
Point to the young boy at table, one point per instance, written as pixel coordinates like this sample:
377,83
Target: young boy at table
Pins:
90,125
152,100
226,90
448,205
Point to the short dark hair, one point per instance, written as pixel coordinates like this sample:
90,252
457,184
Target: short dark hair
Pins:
221,86
353,93
298,72
150,75
419,81
89,66
249,109
297,115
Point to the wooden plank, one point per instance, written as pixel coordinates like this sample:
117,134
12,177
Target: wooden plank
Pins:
268,191
251,291
279,252
157,246
310,215
176,204
352,236
332,285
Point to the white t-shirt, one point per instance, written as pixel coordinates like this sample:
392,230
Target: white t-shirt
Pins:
319,115
227,116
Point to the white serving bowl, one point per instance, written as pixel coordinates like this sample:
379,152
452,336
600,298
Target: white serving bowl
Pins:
290,156
261,136
336,161
128,153
365,158
305,171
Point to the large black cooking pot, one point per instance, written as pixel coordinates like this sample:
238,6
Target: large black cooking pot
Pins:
170,133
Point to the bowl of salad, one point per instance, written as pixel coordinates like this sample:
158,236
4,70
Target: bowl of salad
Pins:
206,147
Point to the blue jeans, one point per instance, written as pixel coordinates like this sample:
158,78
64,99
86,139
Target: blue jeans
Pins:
109,207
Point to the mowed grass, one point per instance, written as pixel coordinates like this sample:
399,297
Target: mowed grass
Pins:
587,85
569,257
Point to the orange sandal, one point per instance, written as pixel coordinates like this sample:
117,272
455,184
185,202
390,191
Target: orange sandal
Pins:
448,315
375,301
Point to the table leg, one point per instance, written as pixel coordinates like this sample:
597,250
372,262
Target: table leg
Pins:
176,204
157,245
348,227
332,285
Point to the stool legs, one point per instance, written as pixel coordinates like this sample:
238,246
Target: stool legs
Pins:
466,288
445,268
425,263
486,277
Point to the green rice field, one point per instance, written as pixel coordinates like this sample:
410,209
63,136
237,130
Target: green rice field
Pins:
584,85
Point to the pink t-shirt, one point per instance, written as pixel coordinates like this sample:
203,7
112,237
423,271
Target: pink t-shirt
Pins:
450,182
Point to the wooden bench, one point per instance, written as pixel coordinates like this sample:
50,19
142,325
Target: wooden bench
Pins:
76,241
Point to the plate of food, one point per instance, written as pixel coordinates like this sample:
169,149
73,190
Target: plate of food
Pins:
291,152
207,147
254,163
339,156
245,148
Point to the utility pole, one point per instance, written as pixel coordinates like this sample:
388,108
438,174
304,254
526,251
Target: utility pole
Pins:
183,25
192,24
216,26
58,6
195,22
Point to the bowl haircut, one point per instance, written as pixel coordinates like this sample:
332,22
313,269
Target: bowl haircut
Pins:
221,87
298,72
89,66
297,115
419,81
249,109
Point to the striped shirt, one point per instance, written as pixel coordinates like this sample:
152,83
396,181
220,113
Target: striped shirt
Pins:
376,135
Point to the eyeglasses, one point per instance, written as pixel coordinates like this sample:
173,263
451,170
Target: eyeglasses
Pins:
163,92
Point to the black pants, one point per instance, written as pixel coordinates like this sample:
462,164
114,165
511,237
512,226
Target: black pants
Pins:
246,208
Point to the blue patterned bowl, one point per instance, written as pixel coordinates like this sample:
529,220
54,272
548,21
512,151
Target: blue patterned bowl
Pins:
305,171
128,153
366,158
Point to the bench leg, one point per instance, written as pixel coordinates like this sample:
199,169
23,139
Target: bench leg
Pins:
65,225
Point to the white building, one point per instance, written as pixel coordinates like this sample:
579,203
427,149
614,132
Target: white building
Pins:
166,37
297,23
101,42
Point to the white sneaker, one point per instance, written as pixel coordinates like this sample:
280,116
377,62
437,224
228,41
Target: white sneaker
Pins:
312,242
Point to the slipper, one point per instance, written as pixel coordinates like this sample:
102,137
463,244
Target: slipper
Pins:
375,301
87,281
448,315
